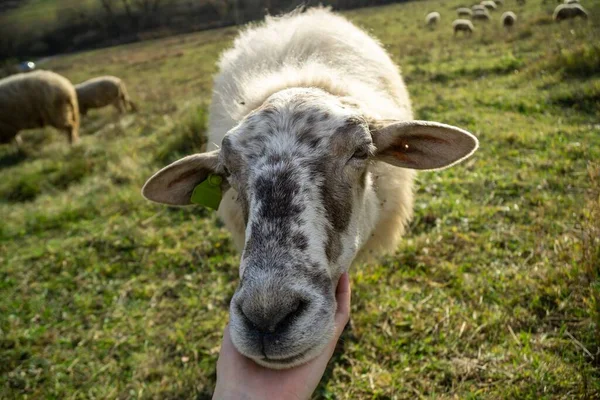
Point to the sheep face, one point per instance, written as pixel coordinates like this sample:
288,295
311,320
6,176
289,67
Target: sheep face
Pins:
298,165
300,168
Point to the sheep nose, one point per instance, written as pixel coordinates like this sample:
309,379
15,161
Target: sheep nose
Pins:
273,314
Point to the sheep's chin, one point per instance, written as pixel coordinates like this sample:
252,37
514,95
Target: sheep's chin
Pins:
292,361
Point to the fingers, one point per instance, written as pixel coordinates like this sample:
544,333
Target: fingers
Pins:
227,348
229,356
226,345
343,295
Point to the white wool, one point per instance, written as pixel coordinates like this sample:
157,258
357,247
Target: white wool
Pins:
432,18
317,49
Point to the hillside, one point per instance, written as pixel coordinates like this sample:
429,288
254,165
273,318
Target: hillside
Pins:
493,294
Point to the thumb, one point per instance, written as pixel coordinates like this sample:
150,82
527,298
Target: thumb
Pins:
343,296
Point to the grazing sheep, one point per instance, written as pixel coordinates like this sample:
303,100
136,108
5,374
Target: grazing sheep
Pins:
499,2
309,121
463,25
569,11
464,12
478,7
508,19
432,18
571,1
36,99
480,15
489,4
103,91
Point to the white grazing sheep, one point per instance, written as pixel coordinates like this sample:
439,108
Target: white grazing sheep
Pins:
463,25
478,7
314,143
464,12
489,4
499,2
36,99
508,19
571,1
101,92
432,18
481,15
569,11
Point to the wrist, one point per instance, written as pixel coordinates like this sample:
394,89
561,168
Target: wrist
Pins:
230,393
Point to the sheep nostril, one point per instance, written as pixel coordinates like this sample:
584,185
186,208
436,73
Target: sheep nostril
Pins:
273,319
247,319
295,312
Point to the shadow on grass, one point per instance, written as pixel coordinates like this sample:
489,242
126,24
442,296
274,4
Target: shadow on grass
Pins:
57,176
586,101
12,157
186,138
507,65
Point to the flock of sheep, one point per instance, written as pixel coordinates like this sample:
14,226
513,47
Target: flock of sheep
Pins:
43,98
481,12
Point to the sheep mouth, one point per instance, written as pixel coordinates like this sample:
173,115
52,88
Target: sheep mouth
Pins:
286,360
305,355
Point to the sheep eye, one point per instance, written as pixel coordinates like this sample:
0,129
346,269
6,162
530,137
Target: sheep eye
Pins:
361,154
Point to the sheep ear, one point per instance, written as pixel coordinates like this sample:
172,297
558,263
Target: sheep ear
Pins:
423,145
175,183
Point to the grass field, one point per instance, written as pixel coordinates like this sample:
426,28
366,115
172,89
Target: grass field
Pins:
43,13
493,294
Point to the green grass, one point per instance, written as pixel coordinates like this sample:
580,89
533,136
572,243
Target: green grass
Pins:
494,293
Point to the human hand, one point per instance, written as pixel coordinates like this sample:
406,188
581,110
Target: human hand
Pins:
239,377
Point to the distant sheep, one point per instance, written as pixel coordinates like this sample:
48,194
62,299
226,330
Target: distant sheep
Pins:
571,1
508,19
103,91
489,4
464,12
478,7
37,99
432,18
499,2
569,11
463,25
481,15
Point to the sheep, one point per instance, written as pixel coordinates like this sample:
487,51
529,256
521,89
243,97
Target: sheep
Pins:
36,99
462,25
571,2
499,2
309,120
508,19
464,12
521,2
103,91
432,19
489,4
569,11
478,7
481,15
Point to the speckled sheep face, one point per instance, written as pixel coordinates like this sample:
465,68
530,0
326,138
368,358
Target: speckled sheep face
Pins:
299,167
